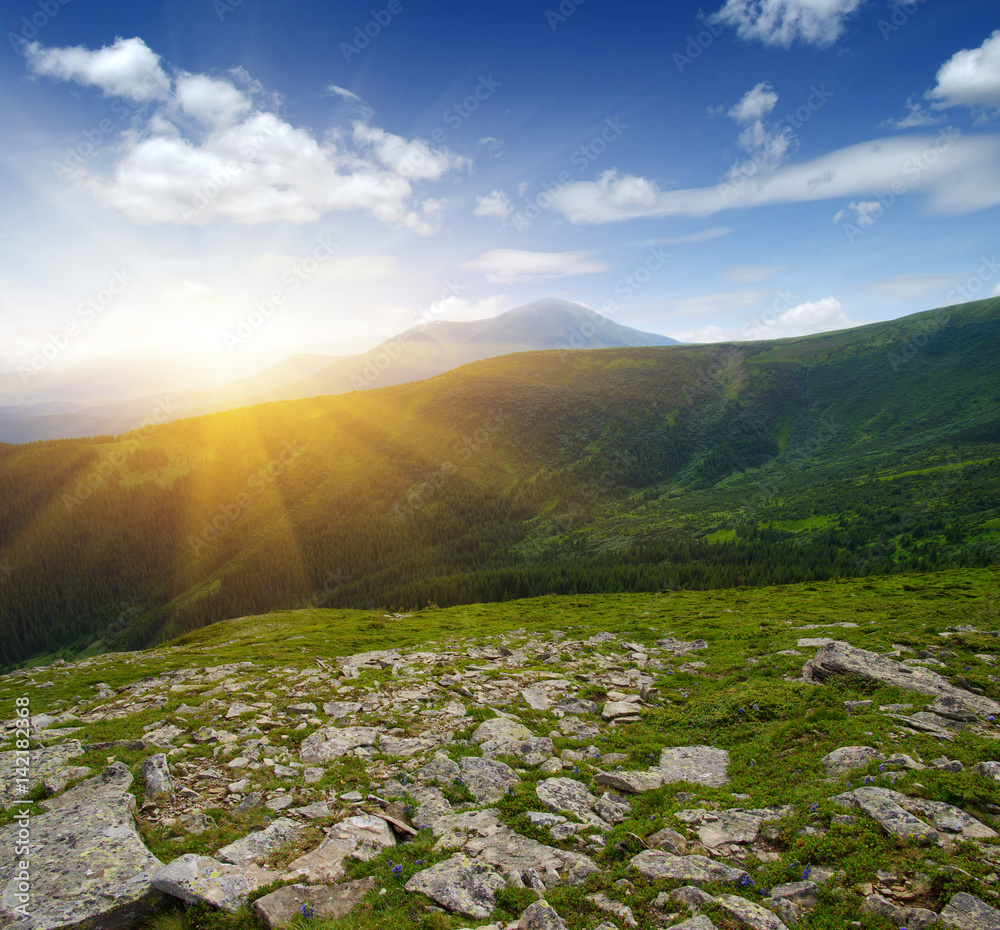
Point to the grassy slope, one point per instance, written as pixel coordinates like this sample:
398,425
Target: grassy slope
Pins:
776,729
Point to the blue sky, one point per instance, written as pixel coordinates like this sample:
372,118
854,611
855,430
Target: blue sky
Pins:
233,182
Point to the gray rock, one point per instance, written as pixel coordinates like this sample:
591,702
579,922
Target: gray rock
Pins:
331,743
540,916
536,698
633,782
42,764
363,836
678,647
669,840
156,776
280,802
736,826
250,803
990,770
618,710
325,902
500,729
461,885
622,911
576,706
702,765
882,805
749,914
257,846
88,865
847,758
695,923
568,796
655,864
163,736
486,779
966,912
839,658
804,894
198,879
613,808
341,709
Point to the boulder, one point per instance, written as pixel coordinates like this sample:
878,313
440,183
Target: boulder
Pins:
569,796
748,914
198,879
257,846
156,776
500,729
88,865
848,758
363,836
486,779
654,864
966,912
882,805
701,765
331,743
838,658
315,902
540,916
633,782
44,763
459,884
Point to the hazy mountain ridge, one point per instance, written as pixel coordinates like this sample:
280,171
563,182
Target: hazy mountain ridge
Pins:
420,352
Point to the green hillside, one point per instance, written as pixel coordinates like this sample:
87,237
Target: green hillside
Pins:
872,450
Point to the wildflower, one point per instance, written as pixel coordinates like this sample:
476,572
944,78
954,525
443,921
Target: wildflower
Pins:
813,806
746,880
397,870
307,910
755,707
991,719
806,872
742,711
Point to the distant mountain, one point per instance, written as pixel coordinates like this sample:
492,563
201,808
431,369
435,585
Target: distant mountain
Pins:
436,347
92,404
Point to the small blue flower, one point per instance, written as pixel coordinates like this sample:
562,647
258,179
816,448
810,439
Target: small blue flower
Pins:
806,872
813,806
991,719
307,911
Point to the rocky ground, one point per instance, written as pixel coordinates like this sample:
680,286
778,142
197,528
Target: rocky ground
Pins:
525,780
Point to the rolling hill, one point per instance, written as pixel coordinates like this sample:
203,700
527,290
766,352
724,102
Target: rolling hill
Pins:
629,469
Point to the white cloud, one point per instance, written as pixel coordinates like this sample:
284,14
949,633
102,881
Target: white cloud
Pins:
507,266
814,316
865,212
704,236
343,92
959,173
756,104
910,287
996,291
459,309
496,203
970,78
916,116
211,151
212,102
750,274
129,68
781,22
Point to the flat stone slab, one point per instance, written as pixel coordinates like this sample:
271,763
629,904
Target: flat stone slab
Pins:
257,846
634,782
363,837
501,729
748,913
967,912
331,743
655,864
701,765
848,758
88,864
839,658
569,796
739,827
615,710
487,779
883,806
43,763
404,746
200,880
324,902
459,884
